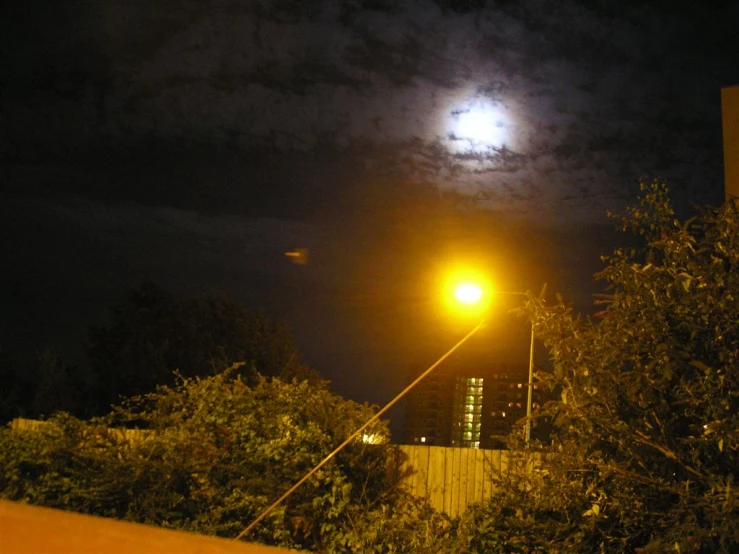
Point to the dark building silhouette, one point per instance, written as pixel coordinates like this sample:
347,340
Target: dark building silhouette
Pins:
472,400
473,407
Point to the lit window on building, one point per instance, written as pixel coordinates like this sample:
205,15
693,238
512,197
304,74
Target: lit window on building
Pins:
468,412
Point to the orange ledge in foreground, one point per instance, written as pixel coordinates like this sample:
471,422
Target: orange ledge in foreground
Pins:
26,529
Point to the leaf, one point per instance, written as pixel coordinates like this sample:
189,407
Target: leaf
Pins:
592,512
686,280
700,365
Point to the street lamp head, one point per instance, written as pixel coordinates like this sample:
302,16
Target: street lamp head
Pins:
468,293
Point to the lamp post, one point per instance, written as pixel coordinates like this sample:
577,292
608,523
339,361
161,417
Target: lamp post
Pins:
530,397
530,381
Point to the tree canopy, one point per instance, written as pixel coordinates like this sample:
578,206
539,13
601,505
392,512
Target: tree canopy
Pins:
153,333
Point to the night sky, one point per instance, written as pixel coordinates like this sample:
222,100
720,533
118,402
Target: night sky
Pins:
192,143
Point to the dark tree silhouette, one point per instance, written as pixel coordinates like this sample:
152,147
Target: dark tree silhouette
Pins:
152,334
58,386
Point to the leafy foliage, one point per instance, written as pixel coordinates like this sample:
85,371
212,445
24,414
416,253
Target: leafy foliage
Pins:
210,454
646,453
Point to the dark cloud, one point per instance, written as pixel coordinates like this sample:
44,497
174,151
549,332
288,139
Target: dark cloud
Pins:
590,97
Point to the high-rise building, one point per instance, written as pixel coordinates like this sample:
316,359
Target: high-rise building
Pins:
428,412
468,404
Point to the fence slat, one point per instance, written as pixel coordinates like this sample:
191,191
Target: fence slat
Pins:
437,477
470,477
478,491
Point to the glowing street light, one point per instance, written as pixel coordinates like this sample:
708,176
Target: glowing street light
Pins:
468,293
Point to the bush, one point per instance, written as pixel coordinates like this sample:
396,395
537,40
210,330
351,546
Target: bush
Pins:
211,454
645,456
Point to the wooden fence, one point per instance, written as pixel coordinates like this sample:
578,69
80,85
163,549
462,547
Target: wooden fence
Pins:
23,424
453,478
449,478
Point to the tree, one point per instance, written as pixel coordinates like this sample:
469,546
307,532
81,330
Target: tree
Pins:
33,388
58,386
214,454
645,456
16,389
152,333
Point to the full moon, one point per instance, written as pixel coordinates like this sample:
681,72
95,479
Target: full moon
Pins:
477,127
